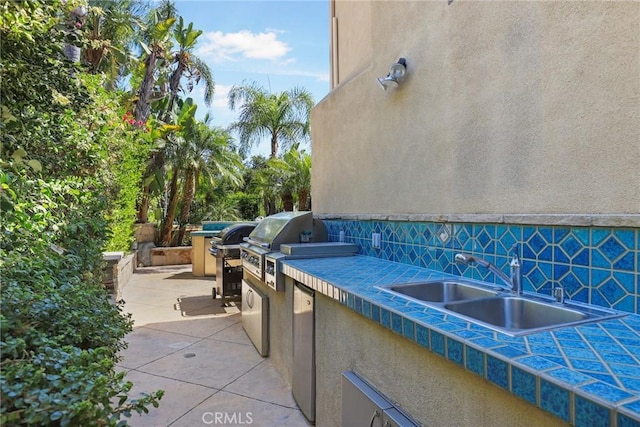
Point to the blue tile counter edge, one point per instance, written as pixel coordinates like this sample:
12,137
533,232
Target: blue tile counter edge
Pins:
584,375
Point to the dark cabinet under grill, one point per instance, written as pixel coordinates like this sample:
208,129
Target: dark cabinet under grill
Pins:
226,250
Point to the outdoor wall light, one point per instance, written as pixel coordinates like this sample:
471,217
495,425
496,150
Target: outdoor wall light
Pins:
396,72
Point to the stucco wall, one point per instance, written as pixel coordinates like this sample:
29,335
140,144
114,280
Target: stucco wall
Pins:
281,328
508,107
353,45
434,391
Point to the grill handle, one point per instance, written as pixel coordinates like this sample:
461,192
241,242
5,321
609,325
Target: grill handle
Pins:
256,243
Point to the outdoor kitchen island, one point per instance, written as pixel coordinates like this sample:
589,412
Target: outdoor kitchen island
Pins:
443,370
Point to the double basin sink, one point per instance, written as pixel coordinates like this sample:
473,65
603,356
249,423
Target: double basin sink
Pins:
498,309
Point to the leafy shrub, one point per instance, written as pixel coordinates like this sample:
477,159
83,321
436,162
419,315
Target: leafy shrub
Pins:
62,136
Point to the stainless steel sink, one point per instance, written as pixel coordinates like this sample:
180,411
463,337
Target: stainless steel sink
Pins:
518,315
498,309
442,291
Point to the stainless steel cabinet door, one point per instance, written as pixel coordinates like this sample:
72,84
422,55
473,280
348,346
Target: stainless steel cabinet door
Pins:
304,369
255,317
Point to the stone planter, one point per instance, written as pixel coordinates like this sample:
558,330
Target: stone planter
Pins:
171,256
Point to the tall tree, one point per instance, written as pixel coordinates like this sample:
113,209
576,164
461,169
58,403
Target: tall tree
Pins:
111,30
267,182
210,158
293,170
282,117
186,71
186,64
199,153
299,165
155,45
186,121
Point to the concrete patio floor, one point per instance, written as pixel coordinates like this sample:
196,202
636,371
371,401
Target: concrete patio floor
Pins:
188,345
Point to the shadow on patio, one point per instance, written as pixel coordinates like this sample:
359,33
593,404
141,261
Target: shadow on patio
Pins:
188,345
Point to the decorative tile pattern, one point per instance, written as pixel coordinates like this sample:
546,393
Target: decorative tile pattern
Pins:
598,363
590,414
629,415
593,264
555,399
538,363
606,392
454,351
396,323
385,318
422,336
437,343
625,421
408,329
474,360
569,376
375,313
523,384
498,372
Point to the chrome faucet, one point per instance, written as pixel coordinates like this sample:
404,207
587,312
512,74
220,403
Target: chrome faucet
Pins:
558,293
514,283
516,270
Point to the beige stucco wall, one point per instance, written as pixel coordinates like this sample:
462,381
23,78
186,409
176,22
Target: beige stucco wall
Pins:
434,391
508,107
281,328
353,41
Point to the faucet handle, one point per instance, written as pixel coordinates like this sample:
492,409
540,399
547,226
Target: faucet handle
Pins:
516,270
558,293
514,250
515,260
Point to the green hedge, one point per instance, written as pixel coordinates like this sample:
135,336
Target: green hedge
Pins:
63,146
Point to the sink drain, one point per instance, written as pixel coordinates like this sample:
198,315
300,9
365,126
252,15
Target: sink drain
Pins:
189,355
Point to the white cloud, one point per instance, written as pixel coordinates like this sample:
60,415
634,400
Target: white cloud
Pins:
220,96
219,46
283,71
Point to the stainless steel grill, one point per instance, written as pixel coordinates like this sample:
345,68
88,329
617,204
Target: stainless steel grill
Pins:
273,276
273,231
225,247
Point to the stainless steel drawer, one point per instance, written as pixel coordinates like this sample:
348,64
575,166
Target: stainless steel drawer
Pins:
255,317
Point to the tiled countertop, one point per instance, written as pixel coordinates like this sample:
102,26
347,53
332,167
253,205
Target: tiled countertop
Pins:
587,375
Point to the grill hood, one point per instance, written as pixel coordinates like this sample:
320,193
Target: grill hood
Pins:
287,227
233,234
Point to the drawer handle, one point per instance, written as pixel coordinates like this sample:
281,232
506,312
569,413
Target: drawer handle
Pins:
375,415
250,298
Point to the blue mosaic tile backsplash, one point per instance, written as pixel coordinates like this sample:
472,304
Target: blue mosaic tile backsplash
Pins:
594,265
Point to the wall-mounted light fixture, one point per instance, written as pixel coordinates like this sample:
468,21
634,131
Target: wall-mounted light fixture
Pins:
396,72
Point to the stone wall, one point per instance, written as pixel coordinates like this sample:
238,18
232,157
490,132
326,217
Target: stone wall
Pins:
118,271
171,256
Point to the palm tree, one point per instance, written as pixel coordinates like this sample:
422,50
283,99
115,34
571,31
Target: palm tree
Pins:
185,65
267,183
155,47
199,153
188,65
210,158
112,27
283,117
294,174
299,163
175,151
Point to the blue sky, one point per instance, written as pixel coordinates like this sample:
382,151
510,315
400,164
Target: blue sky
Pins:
278,44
